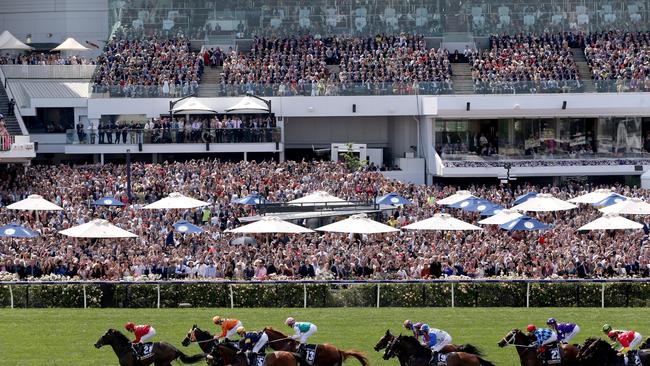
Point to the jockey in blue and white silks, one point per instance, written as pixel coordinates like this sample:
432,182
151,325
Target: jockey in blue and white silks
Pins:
543,336
434,338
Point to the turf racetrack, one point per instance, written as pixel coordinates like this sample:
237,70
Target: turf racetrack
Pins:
66,336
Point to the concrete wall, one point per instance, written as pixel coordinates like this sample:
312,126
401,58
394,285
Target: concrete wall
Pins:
402,134
306,131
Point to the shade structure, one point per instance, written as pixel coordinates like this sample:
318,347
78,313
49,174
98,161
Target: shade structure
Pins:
442,222
98,228
544,203
271,225
14,230
243,240
192,106
612,222
392,199
456,197
524,223
524,197
251,199
318,198
249,105
184,227
612,199
592,197
108,201
472,204
501,218
358,224
34,202
70,44
632,206
175,200
9,42
492,210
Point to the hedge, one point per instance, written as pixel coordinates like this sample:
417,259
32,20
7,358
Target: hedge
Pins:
425,294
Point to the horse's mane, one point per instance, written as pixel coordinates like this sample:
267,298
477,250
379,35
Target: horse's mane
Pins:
271,330
414,343
596,347
202,332
119,336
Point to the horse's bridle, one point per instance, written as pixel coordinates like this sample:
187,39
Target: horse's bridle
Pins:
511,338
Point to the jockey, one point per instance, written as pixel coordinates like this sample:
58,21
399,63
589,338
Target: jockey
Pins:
142,333
434,338
303,330
543,336
628,339
565,331
228,327
254,342
415,328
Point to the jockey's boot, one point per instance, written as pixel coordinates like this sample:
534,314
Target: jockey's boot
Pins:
434,359
631,358
138,347
302,351
251,358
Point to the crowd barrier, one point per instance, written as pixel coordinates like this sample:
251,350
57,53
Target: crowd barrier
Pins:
306,294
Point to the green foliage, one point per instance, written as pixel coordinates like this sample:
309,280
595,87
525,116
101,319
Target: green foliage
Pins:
352,162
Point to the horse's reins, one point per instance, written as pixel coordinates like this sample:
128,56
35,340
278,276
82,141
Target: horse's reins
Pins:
514,344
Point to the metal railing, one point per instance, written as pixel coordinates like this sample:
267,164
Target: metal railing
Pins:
5,142
132,136
371,293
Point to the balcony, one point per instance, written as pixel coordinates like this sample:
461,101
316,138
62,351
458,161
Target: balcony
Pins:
16,149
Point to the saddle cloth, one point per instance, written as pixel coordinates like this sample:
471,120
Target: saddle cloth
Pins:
438,359
552,356
310,353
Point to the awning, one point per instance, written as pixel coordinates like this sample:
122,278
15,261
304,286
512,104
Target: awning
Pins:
9,42
249,105
70,44
192,106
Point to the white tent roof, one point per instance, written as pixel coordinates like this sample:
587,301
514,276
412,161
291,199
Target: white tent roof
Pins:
612,222
249,105
9,42
456,197
442,222
192,106
318,198
358,224
632,206
70,44
544,203
97,228
592,197
501,218
34,202
270,225
176,200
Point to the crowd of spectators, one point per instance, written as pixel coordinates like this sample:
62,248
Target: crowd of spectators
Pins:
560,251
39,58
526,63
543,162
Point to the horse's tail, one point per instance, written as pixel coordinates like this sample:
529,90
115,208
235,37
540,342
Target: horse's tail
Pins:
469,348
345,354
483,362
190,359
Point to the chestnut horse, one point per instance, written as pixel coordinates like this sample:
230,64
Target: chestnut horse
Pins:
528,355
326,354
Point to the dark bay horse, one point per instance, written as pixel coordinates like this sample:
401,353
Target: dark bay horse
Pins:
528,355
218,353
467,348
162,355
597,352
419,355
326,354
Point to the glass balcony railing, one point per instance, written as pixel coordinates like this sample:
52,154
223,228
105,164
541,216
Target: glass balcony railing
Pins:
172,136
5,142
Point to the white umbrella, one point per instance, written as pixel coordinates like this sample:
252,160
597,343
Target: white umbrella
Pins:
193,106
270,225
592,197
318,198
175,200
501,218
249,105
544,203
456,197
9,42
442,222
97,228
632,206
358,224
34,202
70,44
611,222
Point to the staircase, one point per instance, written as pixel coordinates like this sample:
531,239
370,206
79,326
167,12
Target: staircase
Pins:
462,78
10,120
209,81
584,70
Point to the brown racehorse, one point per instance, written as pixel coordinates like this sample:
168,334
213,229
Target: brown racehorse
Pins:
528,355
163,353
467,348
280,358
326,354
419,355
597,352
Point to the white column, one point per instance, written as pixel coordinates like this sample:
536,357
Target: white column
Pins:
158,296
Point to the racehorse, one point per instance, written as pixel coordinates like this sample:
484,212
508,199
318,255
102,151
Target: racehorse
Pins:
204,339
597,352
326,354
419,355
163,353
403,359
528,355
646,344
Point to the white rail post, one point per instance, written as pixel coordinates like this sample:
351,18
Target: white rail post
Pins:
11,297
158,296
453,299
232,298
527,294
378,293
304,295
602,295
85,301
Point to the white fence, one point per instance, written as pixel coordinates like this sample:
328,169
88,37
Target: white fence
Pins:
48,71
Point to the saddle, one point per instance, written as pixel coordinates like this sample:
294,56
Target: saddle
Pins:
307,354
550,355
142,351
438,359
